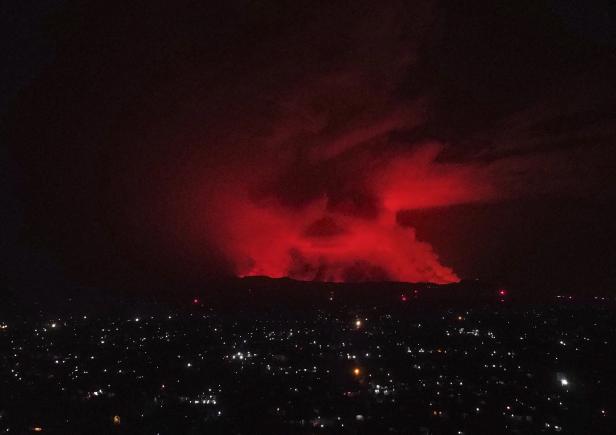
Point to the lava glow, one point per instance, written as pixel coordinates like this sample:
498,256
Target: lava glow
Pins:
318,241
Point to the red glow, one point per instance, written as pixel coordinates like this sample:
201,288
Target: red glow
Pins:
403,298
195,301
502,292
316,241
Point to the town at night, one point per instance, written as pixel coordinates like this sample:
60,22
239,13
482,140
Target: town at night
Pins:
336,365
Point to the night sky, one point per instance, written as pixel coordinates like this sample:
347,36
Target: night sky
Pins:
152,144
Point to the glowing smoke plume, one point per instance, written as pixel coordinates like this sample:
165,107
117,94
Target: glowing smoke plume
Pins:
309,177
338,142
322,239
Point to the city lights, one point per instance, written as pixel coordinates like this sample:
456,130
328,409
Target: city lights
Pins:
405,357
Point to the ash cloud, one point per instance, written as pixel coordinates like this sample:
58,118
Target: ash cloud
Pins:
287,138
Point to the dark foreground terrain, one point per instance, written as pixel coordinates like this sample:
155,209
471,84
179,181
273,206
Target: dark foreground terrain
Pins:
343,364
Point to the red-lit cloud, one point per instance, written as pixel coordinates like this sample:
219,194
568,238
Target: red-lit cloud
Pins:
283,139
335,239
332,214
306,175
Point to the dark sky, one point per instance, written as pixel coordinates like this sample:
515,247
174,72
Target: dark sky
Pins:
165,143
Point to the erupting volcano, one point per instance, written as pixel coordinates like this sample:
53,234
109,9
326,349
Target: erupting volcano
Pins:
348,230
406,141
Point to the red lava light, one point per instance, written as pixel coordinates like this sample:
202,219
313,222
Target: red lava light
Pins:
502,292
403,298
329,238
195,301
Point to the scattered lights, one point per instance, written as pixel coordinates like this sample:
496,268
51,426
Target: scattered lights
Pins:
137,347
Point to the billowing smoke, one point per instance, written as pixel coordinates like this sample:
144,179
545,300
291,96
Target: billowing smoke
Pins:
305,139
313,169
347,230
317,194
